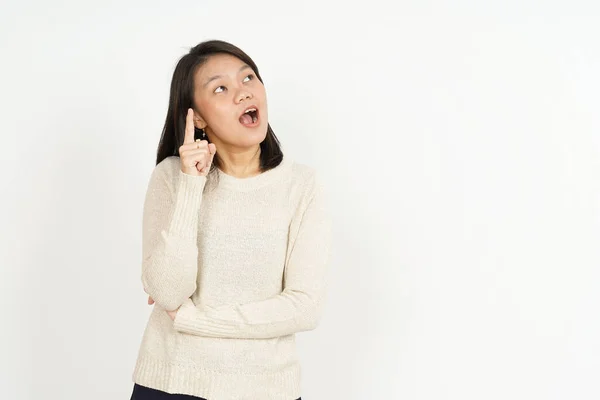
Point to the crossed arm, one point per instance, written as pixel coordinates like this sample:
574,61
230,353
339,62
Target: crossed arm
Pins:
297,308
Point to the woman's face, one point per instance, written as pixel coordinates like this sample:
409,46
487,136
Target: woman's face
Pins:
224,88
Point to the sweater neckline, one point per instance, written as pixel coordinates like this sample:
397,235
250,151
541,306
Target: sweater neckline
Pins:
253,182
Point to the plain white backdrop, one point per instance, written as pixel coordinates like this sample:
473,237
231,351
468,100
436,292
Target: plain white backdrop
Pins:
460,143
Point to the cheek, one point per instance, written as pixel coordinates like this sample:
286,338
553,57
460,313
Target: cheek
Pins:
262,92
216,113
262,95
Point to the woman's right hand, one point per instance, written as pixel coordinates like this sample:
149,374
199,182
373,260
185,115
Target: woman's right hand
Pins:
195,157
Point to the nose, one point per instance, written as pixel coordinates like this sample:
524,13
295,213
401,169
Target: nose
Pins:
243,95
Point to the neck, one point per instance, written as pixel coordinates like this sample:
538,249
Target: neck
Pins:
240,163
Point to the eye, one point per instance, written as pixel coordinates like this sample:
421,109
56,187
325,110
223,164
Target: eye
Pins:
217,89
251,76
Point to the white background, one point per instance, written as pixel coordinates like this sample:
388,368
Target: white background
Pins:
459,142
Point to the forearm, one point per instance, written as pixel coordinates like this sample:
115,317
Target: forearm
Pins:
169,274
170,253
298,307
284,314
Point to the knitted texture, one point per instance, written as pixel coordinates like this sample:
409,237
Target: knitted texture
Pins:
245,261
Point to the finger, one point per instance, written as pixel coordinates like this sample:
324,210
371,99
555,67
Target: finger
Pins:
195,158
206,168
213,150
193,152
189,127
203,168
197,145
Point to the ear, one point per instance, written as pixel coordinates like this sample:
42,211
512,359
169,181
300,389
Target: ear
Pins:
199,122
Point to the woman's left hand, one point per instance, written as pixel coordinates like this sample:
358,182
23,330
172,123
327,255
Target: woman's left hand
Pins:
172,314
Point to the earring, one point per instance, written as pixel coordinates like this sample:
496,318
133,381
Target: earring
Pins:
203,131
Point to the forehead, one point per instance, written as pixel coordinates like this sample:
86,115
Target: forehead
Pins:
220,64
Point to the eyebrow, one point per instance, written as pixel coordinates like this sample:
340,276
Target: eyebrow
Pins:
212,78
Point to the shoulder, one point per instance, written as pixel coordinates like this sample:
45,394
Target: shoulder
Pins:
306,182
308,195
168,166
304,175
167,171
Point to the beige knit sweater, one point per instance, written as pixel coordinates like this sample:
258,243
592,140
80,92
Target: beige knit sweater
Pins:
246,260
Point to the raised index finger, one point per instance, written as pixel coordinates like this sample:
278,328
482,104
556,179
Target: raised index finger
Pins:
189,127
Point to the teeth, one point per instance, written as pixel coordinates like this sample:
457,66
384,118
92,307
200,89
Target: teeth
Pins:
249,110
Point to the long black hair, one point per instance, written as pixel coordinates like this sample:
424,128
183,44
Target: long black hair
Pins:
181,98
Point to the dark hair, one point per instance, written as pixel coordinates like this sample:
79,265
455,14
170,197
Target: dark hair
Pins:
181,98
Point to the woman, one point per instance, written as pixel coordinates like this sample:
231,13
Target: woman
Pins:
236,240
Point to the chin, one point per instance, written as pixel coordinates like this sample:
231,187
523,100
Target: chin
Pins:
254,136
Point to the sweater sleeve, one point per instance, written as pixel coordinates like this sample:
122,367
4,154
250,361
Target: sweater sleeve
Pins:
298,307
169,234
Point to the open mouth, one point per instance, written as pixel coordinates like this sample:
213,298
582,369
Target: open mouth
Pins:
250,117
